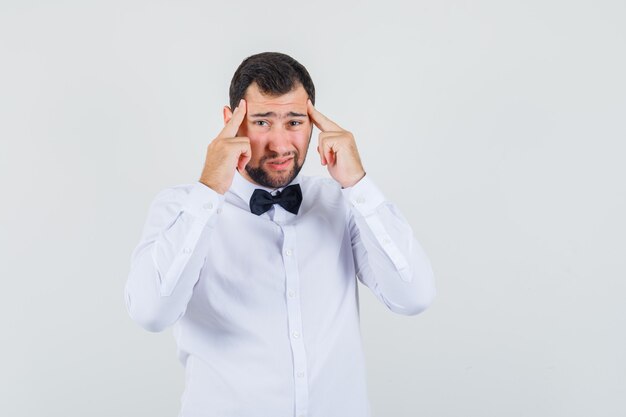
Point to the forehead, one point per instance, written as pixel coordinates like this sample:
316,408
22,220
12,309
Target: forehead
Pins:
257,102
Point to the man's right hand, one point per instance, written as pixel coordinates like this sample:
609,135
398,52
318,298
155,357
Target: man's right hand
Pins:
226,153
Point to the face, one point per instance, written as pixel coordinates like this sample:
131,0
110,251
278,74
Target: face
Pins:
279,130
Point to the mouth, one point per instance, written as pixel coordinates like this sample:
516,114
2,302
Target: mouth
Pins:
279,164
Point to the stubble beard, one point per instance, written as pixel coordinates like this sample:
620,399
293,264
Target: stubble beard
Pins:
262,177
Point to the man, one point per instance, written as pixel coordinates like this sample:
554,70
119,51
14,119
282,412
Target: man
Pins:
257,266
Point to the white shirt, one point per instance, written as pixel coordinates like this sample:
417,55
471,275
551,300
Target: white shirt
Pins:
266,308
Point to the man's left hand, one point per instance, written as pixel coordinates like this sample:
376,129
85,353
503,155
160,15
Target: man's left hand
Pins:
337,149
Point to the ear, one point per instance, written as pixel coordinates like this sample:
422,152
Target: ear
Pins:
228,114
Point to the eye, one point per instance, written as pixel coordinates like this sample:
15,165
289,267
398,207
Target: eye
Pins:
261,123
295,123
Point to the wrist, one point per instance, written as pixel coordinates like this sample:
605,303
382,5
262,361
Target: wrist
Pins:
354,181
213,186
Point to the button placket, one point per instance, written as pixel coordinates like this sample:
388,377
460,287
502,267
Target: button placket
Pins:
294,318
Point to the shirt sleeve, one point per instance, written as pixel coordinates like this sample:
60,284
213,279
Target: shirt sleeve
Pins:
166,263
388,258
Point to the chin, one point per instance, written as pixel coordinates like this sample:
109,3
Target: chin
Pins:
272,179
278,180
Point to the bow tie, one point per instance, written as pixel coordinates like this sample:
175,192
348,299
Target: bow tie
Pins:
290,199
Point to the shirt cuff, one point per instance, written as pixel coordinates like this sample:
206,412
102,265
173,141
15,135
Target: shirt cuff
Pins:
202,201
364,196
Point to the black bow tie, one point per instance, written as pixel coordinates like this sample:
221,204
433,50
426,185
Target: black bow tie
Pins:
290,199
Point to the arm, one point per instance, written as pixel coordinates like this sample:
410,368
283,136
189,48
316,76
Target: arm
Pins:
166,264
388,258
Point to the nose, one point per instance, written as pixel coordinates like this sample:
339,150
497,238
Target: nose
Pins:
279,140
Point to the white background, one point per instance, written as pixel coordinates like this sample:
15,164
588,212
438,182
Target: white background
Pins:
497,127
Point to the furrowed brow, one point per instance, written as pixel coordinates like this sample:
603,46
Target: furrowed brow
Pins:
273,114
266,114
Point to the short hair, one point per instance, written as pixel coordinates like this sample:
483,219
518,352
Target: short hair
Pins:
275,74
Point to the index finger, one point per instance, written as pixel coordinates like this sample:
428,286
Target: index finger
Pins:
231,128
322,122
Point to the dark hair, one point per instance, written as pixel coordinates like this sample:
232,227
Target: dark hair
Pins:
275,74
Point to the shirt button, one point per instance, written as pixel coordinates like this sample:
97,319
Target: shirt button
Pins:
386,241
187,250
360,200
292,294
288,252
296,335
300,374
208,206
219,210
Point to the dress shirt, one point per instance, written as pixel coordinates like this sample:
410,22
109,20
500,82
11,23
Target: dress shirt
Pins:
265,308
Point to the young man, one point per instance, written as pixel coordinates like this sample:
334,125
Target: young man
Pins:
257,266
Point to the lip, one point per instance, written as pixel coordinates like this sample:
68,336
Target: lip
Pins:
279,164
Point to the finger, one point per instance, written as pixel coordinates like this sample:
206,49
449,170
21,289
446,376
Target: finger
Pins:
232,127
322,122
322,160
328,153
244,157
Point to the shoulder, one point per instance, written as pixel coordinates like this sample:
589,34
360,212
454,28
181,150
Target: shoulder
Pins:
321,193
176,196
316,184
174,192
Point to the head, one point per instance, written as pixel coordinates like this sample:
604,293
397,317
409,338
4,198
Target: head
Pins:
276,89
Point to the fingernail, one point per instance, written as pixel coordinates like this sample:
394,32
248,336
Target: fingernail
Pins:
240,103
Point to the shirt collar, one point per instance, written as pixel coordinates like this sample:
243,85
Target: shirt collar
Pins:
243,188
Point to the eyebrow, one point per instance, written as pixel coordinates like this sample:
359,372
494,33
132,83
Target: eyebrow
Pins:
273,114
